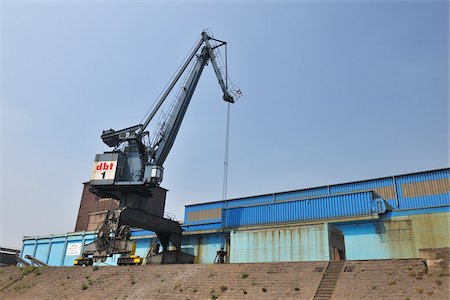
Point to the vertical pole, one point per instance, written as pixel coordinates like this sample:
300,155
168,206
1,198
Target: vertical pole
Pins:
227,134
225,163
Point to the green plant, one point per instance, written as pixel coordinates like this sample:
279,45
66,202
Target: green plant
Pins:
244,275
214,295
84,286
28,270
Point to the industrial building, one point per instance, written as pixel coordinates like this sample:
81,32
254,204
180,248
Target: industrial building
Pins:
384,218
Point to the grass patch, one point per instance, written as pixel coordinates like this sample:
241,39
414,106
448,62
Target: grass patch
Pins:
213,295
28,270
244,275
177,286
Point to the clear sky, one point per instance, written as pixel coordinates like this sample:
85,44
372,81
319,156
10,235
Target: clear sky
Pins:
334,91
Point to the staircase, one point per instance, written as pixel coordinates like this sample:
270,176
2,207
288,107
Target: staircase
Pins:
329,280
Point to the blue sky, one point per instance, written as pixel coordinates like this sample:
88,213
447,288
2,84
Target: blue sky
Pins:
334,91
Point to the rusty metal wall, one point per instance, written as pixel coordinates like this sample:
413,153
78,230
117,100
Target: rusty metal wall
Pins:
397,236
295,243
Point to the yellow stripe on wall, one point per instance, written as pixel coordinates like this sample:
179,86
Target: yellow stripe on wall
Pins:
426,188
206,214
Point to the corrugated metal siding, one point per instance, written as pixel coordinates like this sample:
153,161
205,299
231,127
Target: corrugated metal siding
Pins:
52,250
433,191
193,214
204,215
249,201
396,237
301,194
383,187
426,189
357,204
301,243
201,227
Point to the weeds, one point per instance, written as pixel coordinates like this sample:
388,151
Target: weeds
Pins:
28,270
244,275
84,286
214,295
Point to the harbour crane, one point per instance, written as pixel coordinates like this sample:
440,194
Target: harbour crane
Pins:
133,170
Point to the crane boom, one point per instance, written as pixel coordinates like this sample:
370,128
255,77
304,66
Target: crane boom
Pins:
132,171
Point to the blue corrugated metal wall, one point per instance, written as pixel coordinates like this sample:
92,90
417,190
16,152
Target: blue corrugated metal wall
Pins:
347,205
430,200
390,188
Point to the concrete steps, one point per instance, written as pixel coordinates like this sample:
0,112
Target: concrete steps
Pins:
329,280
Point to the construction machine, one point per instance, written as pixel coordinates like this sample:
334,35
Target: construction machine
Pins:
133,170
